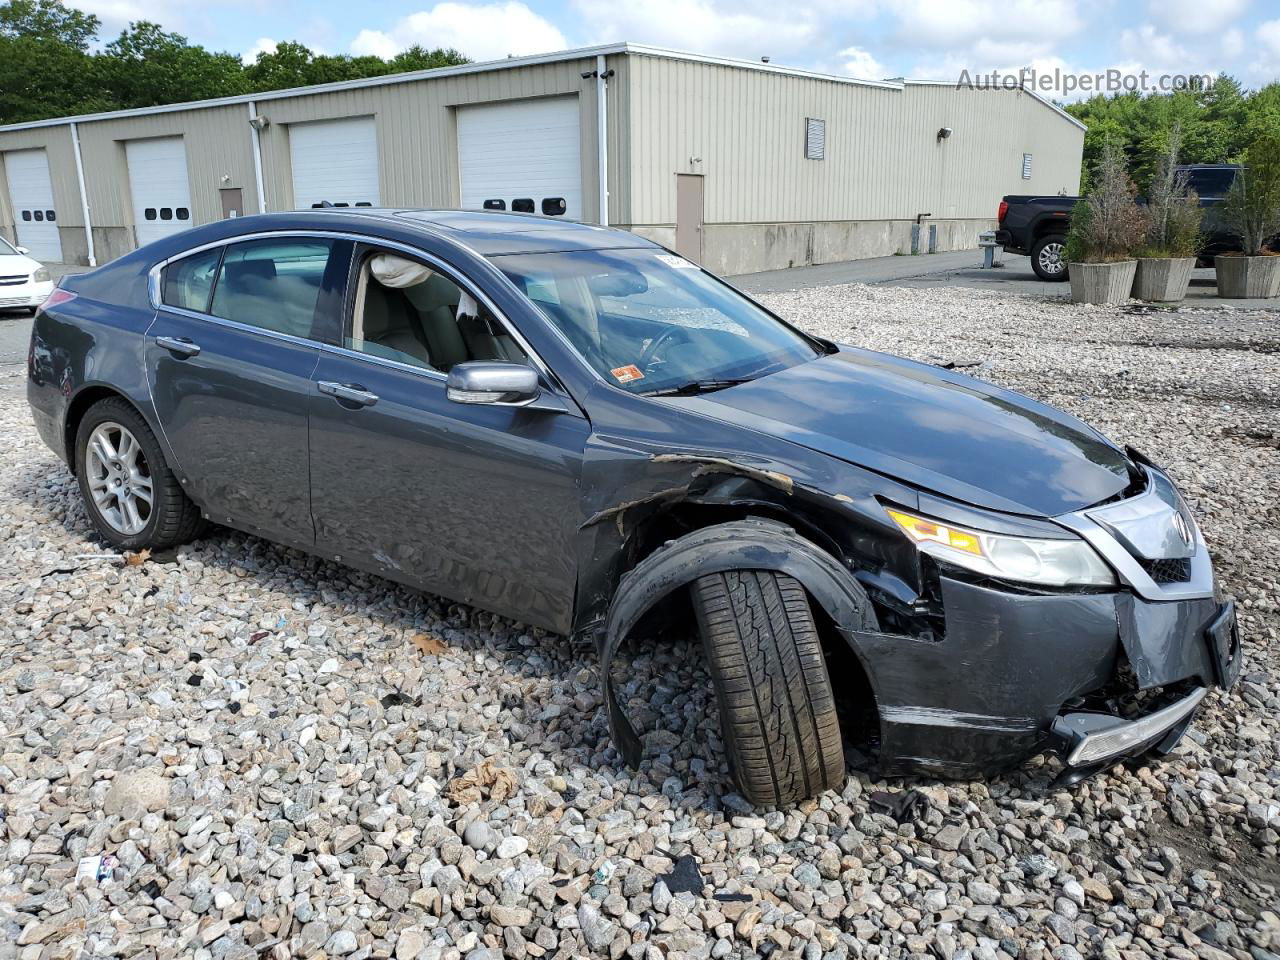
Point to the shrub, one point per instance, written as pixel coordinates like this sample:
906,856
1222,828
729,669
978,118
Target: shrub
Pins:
1251,209
1107,225
1173,209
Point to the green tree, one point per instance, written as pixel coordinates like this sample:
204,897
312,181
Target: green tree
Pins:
45,69
48,20
292,64
146,66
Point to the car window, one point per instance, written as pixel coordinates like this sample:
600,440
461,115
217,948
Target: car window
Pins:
650,321
189,281
406,310
1211,182
273,284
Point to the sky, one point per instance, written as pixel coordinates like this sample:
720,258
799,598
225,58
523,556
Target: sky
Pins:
874,39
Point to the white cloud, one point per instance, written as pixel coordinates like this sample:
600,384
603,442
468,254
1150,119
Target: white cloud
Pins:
749,31
264,45
1194,16
860,63
957,24
488,31
1269,34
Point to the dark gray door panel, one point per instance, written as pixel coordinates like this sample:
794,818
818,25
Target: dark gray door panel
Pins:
233,405
478,503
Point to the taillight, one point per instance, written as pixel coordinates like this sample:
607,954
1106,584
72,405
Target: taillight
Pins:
1001,211
55,299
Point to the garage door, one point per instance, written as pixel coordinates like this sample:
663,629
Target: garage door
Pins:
524,156
31,195
334,161
159,185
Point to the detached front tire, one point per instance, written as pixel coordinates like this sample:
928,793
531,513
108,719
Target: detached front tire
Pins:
133,499
777,709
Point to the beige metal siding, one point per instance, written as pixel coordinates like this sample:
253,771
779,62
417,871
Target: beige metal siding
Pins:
217,143
417,129
56,142
744,130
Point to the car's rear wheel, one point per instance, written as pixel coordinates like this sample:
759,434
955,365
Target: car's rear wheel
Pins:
1047,257
777,709
132,497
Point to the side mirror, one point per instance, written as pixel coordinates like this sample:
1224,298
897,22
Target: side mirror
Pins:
23,250
486,381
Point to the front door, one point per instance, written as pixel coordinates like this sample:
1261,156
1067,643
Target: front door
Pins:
689,216
477,502
230,357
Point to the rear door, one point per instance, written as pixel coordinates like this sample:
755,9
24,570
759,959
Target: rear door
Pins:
230,357
476,502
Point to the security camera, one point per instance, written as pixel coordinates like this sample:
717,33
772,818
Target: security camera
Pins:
588,74
259,123
944,133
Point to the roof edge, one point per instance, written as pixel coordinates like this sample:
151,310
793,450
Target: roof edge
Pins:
1020,88
507,63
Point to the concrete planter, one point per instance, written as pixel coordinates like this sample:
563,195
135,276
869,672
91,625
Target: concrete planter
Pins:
1252,277
1163,279
1102,282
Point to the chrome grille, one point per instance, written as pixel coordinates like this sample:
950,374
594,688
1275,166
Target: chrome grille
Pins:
12,281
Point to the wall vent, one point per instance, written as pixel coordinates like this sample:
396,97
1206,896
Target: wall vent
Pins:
815,139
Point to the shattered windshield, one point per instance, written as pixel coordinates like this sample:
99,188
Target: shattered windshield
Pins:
652,322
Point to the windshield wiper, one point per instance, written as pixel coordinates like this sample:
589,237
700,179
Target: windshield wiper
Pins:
694,387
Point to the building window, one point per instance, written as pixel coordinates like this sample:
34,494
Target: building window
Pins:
815,139
1026,166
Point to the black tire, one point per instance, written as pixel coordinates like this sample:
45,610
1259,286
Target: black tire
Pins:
777,709
173,518
1049,247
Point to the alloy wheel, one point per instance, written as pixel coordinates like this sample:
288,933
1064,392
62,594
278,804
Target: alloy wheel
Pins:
119,478
1051,258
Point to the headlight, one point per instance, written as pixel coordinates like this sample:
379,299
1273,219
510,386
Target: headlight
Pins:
1054,563
40,276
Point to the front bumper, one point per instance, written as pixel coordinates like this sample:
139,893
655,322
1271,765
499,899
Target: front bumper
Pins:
26,295
987,694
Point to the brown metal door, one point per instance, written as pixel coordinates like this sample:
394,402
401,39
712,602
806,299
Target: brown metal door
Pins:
689,216
232,202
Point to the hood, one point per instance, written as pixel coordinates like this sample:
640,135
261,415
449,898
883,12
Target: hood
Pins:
933,429
16,264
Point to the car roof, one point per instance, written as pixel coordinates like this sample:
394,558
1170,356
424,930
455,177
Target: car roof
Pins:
491,232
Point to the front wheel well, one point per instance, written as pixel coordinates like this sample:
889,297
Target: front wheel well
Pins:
850,679
79,406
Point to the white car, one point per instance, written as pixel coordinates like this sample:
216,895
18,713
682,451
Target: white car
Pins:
24,283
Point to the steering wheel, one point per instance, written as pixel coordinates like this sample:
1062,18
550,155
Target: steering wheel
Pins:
672,333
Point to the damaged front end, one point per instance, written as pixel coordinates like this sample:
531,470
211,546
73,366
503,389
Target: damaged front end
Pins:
971,672
1092,674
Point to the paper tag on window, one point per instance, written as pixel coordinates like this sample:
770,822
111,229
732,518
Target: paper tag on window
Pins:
680,263
627,374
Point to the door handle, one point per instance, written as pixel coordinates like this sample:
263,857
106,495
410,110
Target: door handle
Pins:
352,393
179,346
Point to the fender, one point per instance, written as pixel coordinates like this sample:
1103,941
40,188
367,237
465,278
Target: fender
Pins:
751,544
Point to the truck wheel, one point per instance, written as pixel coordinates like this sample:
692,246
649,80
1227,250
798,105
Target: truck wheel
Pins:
132,497
777,710
1047,257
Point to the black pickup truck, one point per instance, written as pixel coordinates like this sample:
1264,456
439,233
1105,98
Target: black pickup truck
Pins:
1037,226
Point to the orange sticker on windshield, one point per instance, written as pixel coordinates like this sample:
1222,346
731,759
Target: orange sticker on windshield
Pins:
627,374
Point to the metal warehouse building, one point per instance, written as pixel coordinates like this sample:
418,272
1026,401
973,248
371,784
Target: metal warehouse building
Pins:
742,166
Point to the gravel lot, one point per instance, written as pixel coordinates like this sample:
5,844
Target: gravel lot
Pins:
287,758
